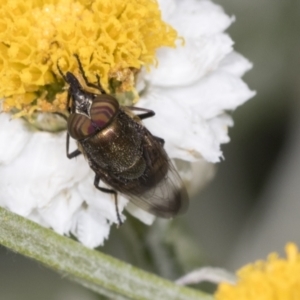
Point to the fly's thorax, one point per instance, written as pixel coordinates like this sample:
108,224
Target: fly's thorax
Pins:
87,122
118,146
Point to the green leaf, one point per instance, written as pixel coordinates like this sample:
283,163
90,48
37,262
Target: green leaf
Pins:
93,269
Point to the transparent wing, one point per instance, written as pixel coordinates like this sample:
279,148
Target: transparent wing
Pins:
160,191
167,199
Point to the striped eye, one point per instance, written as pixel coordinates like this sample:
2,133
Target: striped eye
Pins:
103,109
80,126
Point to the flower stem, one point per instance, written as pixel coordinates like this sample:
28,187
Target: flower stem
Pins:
92,269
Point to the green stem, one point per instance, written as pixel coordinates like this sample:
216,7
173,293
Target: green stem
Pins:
93,269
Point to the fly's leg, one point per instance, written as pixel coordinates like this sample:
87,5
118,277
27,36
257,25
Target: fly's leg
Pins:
89,84
68,102
74,153
69,95
148,113
108,191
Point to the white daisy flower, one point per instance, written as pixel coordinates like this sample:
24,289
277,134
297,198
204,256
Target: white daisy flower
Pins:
191,90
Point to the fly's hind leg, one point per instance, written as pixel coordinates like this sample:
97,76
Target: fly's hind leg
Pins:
148,113
108,191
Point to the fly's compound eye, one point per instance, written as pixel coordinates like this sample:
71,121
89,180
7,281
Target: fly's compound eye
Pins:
80,126
103,109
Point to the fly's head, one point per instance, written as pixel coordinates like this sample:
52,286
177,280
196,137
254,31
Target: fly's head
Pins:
89,112
81,99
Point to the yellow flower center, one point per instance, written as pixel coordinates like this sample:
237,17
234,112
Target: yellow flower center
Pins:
113,38
275,279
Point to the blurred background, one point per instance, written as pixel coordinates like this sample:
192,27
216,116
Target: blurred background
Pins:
251,207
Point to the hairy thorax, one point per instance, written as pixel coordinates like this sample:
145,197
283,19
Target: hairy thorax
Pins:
118,147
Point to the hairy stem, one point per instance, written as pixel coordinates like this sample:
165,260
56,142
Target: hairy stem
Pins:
93,269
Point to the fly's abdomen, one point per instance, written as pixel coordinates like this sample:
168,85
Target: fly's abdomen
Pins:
135,171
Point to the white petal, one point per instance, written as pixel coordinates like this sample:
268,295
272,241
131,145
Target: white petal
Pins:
103,202
184,118
212,95
195,18
90,227
195,175
140,214
178,126
235,64
187,64
167,7
219,127
58,213
39,174
36,217
13,138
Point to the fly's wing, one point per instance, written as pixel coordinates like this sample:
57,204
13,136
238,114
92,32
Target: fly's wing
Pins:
166,199
160,190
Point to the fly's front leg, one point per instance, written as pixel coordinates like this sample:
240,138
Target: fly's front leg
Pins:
74,153
108,191
69,95
68,102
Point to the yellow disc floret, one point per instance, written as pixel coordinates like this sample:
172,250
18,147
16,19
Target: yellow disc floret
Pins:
113,38
275,279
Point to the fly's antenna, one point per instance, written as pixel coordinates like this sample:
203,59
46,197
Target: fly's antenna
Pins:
60,71
98,86
81,68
